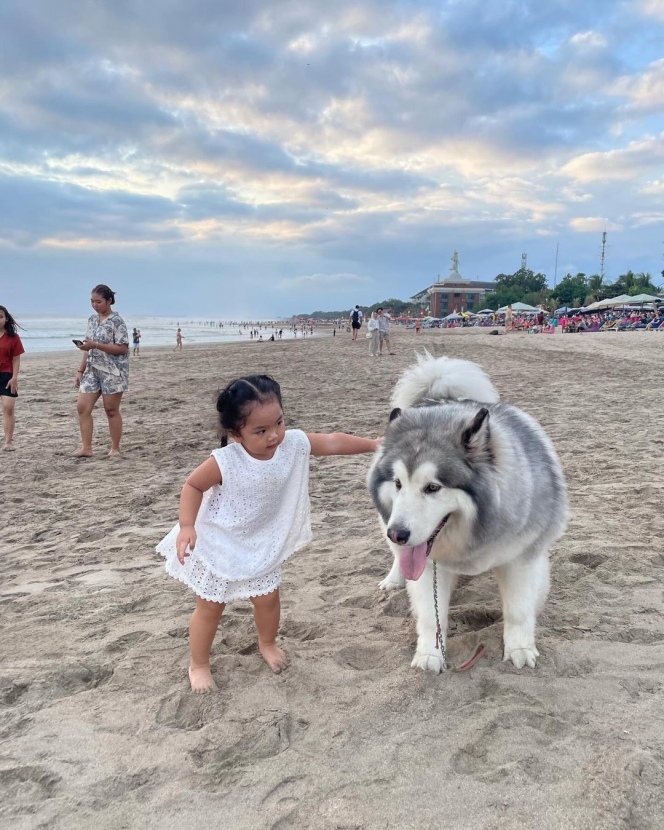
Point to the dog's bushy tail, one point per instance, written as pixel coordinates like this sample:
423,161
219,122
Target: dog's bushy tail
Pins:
442,379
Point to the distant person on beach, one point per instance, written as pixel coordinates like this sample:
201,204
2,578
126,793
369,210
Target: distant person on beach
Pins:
178,340
104,370
509,318
355,321
136,339
383,330
11,349
418,326
254,495
374,334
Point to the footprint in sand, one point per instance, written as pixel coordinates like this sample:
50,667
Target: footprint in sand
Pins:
190,712
222,764
27,786
302,631
512,739
69,680
360,658
127,641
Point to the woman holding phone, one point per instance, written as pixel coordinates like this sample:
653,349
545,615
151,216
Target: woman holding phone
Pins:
11,350
104,369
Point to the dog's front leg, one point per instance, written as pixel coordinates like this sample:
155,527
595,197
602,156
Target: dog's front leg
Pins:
524,585
395,579
427,656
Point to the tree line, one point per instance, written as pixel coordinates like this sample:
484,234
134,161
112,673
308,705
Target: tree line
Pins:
574,290
525,286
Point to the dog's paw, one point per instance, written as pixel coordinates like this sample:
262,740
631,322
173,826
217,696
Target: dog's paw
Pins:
428,662
522,656
392,583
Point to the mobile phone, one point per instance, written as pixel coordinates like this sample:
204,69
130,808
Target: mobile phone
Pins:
77,342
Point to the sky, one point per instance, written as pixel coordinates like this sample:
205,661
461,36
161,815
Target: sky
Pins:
259,159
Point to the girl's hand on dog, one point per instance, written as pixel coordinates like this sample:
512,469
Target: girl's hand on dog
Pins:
186,539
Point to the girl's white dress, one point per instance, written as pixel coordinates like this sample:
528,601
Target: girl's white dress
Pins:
249,524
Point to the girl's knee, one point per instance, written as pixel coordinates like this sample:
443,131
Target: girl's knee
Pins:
208,608
266,601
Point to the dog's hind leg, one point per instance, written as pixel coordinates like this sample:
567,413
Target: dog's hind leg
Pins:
427,656
524,585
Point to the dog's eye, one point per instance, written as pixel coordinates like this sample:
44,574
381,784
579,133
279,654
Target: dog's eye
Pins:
432,488
397,484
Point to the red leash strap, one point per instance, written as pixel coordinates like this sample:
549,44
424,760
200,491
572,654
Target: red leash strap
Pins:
479,651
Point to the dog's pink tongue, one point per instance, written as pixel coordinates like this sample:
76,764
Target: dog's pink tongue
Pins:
412,561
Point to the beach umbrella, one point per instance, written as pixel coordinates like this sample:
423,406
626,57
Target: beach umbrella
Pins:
453,316
486,311
614,301
643,298
519,307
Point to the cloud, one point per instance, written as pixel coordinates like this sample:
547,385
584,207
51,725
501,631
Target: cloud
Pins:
644,90
584,224
652,8
38,211
643,156
310,282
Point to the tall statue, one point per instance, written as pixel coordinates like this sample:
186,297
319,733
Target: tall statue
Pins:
454,270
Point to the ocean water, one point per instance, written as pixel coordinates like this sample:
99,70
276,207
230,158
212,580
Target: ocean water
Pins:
50,333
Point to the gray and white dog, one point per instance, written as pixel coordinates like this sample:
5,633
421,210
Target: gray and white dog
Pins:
474,485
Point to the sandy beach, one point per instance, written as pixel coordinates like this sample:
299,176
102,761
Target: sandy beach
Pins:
98,727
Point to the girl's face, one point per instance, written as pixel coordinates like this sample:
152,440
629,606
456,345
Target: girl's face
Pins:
3,320
263,431
100,305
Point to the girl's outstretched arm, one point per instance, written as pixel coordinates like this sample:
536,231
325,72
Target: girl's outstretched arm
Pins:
203,477
339,443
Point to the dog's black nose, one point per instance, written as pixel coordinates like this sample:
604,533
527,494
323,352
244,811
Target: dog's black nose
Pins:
398,535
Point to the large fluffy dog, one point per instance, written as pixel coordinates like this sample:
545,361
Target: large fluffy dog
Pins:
474,485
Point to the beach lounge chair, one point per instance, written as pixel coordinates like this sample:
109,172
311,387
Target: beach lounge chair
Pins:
594,327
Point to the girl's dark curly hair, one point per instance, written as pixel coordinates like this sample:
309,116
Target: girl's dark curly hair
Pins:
236,401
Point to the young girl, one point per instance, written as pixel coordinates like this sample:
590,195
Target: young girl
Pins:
243,512
11,350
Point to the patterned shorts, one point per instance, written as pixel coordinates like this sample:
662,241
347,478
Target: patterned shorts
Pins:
93,380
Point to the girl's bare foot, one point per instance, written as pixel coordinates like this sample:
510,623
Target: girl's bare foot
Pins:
201,679
273,656
113,452
83,453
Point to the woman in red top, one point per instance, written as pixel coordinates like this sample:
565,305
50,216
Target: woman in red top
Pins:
11,350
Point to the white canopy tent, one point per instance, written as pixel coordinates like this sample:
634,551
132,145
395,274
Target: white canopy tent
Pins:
639,299
518,307
623,299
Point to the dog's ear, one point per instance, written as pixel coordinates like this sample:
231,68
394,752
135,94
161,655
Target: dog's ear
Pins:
394,414
475,436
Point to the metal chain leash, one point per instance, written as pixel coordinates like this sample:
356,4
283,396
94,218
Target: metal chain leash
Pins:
440,640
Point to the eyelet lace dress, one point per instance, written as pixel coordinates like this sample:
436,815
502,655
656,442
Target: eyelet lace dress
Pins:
249,524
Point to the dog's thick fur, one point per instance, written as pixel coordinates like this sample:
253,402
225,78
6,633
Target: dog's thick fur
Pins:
452,450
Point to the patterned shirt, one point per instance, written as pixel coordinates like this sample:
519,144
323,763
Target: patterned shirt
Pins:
111,330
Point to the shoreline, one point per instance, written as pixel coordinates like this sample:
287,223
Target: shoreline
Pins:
189,347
